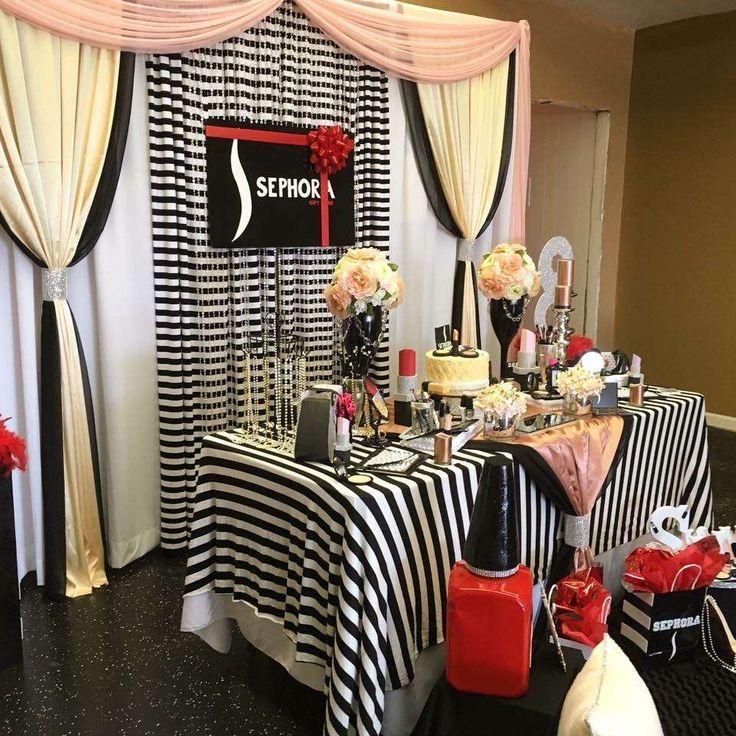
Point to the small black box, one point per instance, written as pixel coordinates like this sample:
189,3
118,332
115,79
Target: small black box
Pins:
402,413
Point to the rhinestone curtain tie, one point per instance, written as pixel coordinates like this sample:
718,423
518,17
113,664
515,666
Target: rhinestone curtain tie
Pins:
465,250
54,283
577,530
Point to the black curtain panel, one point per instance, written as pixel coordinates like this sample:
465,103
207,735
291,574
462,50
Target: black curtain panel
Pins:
108,184
433,188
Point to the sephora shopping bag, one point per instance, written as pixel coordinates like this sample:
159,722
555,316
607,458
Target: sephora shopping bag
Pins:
665,626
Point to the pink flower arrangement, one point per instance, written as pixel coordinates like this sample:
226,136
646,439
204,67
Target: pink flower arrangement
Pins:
346,407
363,279
508,272
12,451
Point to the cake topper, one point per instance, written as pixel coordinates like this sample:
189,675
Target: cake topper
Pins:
451,348
442,337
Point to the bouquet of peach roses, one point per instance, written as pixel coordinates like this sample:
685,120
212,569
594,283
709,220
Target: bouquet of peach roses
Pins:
363,279
508,272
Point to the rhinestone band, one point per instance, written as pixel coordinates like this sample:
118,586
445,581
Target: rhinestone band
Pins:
492,573
577,530
465,250
54,283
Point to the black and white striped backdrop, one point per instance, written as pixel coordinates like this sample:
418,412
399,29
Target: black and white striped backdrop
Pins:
359,575
282,71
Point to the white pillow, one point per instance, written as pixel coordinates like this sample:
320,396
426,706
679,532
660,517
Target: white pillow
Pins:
608,698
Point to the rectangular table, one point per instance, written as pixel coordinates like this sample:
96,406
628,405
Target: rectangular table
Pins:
357,576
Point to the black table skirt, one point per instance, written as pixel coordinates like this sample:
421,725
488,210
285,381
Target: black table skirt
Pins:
451,713
11,651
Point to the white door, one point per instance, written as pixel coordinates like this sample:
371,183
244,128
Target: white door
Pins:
567,173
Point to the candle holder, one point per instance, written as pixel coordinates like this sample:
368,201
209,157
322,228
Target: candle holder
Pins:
563,331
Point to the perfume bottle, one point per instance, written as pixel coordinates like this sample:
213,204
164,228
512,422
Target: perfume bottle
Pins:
489,603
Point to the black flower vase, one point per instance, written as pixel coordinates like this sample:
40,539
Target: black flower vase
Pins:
506,316
11,648
361,334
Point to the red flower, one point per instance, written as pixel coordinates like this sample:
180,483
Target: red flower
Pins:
12,451
329,147
346,406
579,344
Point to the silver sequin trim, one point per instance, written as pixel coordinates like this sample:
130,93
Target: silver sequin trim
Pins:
54,283
465,250
577,530
492,573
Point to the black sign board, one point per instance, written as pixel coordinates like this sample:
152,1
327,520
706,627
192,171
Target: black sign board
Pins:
263,193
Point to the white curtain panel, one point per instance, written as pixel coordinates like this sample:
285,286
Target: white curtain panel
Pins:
426,252
111,292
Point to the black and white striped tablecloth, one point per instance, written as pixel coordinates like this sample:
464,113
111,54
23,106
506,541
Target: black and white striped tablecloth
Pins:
358,575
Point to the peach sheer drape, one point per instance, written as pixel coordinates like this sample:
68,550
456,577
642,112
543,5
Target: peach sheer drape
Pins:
408,41
412,42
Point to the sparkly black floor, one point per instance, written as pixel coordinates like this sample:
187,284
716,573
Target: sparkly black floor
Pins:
722,446
115,664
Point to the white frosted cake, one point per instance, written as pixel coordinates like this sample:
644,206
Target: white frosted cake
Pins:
450,375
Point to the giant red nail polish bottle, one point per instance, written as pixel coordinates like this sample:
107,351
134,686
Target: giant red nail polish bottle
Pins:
489,603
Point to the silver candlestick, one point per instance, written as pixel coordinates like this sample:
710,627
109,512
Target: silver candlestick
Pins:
562,333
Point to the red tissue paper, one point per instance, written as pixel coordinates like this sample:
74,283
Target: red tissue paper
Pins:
579,344
657,569
582,606
13,453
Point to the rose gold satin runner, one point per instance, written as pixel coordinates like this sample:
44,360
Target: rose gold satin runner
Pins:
579,454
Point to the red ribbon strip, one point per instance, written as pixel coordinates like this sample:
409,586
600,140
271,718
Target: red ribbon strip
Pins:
330,147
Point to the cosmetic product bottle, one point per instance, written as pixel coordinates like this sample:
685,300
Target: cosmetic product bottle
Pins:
466,404
636,394
405,387
445,416
343,445
553,372
527,358
442,448
489,603
635,374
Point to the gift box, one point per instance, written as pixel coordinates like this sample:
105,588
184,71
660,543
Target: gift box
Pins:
665,626
580,605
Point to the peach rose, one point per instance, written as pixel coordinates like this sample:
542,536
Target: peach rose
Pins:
338,301
509,263
493,285
359,280
399,292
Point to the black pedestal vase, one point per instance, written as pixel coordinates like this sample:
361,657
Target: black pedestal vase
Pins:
11,647
506,316
361,334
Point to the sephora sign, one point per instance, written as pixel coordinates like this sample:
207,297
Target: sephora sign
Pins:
262,192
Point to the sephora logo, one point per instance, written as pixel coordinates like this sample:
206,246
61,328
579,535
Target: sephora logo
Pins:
279,186
676,623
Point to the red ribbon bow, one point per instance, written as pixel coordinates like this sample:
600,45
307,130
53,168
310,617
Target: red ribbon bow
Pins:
330,148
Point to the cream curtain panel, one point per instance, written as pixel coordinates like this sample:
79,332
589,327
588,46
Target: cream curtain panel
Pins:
466,124
57,101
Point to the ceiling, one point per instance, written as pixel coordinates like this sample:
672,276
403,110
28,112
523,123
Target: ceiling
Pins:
644,13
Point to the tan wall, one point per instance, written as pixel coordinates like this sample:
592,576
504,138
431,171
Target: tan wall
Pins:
579,62
677,273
